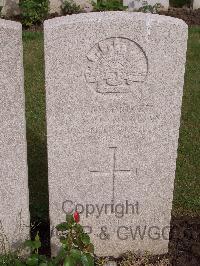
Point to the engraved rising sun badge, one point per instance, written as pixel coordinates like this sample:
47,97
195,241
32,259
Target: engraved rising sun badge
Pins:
115,64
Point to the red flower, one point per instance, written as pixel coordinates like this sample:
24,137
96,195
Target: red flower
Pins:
76,217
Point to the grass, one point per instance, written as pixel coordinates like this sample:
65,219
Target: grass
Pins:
9,259
36,123
187,183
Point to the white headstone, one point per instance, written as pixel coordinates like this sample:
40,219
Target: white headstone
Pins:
196,4
1,3
10,8
114,84
14,208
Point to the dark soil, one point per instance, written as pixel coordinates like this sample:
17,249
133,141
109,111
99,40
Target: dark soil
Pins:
191,17
184,246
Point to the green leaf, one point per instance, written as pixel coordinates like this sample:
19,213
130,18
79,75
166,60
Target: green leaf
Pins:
87,259
85,239
29,243
32,260
19,263
37,237
60,257
62,227
33,244
51,263
42,258
69,261
63,240
36,244
70,219
79,228
76,254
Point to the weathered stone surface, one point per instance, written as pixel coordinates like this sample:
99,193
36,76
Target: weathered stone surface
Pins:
136,4
114,83
10,7
14,208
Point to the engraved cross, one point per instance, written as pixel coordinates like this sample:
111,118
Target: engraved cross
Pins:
114,171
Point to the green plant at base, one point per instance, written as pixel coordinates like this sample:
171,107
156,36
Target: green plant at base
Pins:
33,11
69,7
146,8
10,260
108,5
35,259
76,246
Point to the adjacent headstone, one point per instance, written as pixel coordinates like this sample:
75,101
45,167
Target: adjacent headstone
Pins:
14,208
114,84
137,4
10,7
196,4
1,3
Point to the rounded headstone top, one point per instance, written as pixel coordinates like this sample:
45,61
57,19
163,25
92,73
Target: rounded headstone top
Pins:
113,15
10,24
